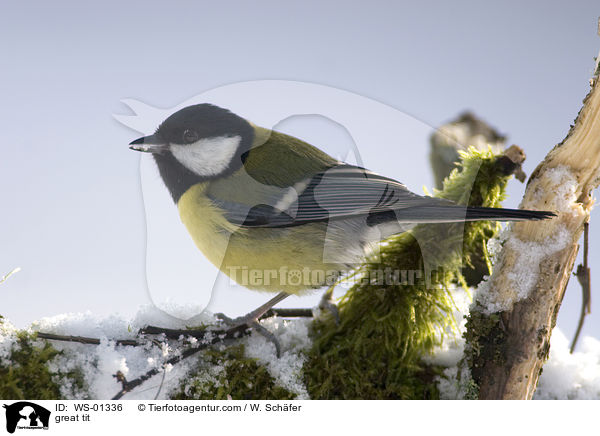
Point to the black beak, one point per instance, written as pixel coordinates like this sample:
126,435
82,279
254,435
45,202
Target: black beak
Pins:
149,144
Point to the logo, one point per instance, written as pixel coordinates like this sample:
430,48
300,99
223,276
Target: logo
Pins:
26,415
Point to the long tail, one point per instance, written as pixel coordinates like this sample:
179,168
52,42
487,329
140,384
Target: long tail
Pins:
452,213
495,214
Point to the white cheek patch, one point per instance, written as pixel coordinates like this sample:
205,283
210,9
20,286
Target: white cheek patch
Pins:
208,156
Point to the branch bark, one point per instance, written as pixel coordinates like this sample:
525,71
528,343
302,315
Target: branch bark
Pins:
563,182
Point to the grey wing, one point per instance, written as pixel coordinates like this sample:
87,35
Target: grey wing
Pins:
342,191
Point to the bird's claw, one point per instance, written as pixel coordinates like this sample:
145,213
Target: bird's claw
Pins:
268,336
254,324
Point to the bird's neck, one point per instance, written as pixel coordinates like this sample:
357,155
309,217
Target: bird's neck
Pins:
175,176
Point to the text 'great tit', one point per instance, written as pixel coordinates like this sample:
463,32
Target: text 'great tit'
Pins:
262,205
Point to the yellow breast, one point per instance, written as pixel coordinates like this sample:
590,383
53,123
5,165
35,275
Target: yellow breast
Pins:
272,260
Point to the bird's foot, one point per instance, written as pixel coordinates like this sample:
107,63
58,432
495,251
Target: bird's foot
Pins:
328,305
252,321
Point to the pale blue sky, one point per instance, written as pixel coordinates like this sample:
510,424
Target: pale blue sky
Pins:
72,213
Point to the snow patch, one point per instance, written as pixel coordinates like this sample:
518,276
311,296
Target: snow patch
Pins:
569,376
8,335
294,340
563,185
525,272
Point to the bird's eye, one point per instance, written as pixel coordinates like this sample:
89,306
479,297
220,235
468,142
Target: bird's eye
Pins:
190,136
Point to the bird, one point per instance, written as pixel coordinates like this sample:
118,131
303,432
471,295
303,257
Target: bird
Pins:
279,215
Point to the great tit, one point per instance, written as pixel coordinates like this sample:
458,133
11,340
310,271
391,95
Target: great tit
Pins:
277,214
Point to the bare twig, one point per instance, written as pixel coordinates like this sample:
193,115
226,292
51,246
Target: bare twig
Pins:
201,333
162,381
215,336
288,313
583,276
172,333
6,276
128,386
85,340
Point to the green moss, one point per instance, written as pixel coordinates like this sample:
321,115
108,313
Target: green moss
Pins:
471,390
485,339
25,373
227,372
386,329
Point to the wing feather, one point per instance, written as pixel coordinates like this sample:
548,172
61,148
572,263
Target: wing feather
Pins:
340,192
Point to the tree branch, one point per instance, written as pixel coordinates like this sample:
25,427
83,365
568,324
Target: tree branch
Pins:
216,336
528,305
85,340
128,386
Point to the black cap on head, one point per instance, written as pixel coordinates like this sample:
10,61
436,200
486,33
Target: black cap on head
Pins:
187,126
203,121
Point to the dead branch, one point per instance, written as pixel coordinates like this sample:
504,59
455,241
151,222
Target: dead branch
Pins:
563,182
85,340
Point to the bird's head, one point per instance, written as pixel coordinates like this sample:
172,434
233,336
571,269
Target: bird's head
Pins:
204,139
